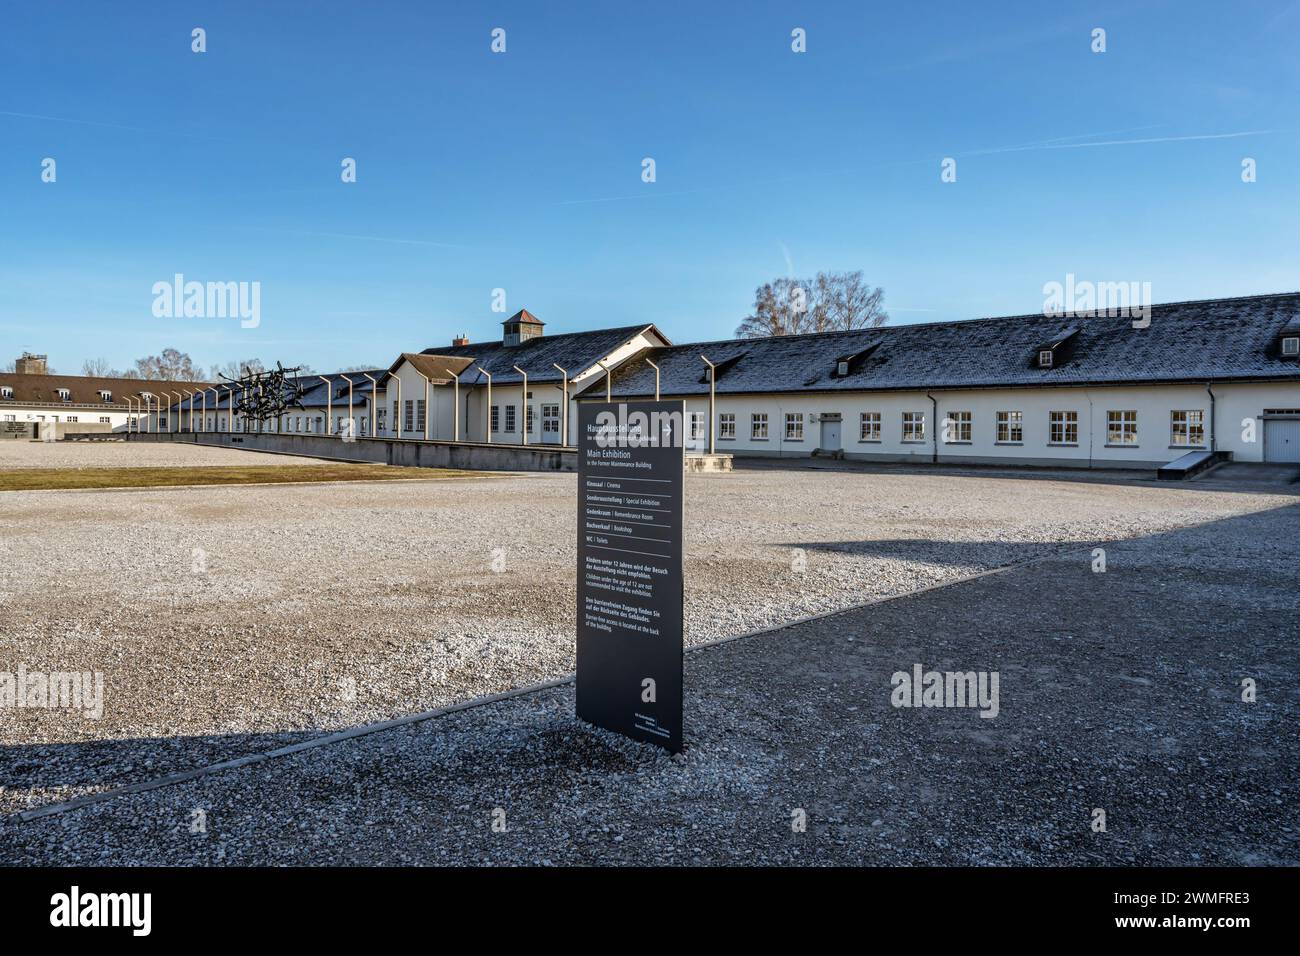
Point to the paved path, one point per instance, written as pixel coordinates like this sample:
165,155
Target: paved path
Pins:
1118,691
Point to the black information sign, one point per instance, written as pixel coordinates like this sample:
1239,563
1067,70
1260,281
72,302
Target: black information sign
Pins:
630,461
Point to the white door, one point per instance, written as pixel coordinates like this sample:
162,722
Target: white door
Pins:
550,424
1282,439
830,435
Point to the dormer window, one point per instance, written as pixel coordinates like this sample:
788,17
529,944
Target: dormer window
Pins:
6,391
105,395
1291,345
842,368
1044,358
65,394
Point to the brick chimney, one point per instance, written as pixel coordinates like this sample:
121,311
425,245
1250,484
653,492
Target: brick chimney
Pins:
460,340
29,364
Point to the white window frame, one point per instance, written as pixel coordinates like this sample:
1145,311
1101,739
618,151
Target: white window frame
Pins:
1045,358
1291,345
550,418
495,419
869,427
511,418
695,426
1193,423
1010,423
727,426
913,424
1121,427
962,428
1067,422
794,426
6,391
758,426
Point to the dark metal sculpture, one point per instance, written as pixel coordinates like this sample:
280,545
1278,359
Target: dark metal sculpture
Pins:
264,396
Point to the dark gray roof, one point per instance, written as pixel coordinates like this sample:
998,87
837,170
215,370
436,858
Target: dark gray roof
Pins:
575,351
1213,339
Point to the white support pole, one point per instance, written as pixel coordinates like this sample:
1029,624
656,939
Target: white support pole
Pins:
374,399
398,416
523,428
352,422
455,422
713,376
427,384
656,368
329,403
487,409
564,409
607,379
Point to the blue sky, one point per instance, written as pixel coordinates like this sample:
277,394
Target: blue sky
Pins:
522,170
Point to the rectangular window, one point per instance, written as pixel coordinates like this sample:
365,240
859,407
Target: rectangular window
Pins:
913,426
71,418
957,428
695,426
727,425
1011,428
550,419
11,418
1291,346
408,418
510,418
1122,428
106,395
1063,428
105,420
528,418
396,421
758,426
1187,429
6,392
65,395
1045,358
794,426
419,416
496,418
869,426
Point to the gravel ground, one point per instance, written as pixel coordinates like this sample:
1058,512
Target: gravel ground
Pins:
316,608
121,454
1118,691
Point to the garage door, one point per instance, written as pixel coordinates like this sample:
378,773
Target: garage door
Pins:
1282,439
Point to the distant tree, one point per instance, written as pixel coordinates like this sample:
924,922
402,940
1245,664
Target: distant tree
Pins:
172,365
8,366
829,302
98,368
235,369
359,368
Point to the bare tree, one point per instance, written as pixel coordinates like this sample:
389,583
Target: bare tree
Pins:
172,365
98,368
829,302
235,369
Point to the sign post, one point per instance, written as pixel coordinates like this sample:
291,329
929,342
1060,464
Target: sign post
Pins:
630,464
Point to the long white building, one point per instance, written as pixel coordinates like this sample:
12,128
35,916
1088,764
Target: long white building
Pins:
1086,391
